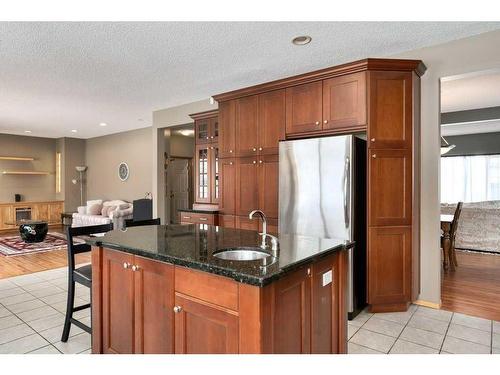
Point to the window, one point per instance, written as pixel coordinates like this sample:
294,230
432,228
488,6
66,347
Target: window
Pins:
470,178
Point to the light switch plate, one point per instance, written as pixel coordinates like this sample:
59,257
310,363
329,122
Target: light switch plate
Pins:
327,278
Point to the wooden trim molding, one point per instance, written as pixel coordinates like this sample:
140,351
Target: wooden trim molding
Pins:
205,114
416,66
432,305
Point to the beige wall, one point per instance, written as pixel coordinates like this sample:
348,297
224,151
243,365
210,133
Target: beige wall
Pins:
162,119
468,55
32,188
104,154
181,146
73,155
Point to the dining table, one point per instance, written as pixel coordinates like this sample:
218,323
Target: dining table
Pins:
446,221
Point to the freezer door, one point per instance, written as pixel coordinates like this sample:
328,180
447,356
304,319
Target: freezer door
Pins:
315,187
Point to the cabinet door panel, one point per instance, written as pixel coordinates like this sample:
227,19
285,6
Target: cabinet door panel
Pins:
304,108
202,131
204,329
154,303
247,186
117,303
247,126
271,121
344,102
292,314
389,260
41,211
214,129
203,174
6,215
54,212
390,187
227,204
268,185
215,190
227,123
390,114
227,221
243,222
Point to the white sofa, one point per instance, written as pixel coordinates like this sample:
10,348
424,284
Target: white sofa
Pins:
119,211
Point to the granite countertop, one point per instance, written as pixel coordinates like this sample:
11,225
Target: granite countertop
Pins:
198,211
193,245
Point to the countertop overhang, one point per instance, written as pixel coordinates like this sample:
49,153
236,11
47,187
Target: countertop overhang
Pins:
192,246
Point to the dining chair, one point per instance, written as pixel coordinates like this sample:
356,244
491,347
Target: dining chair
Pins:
453,232
139,223
81,275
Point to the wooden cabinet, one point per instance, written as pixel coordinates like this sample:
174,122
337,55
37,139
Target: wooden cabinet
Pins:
389,267
268,185
206,127
6,216
272,118
202,328
304,108
344,102
207,188
390,187
227,137
227,203
333,105
137,302
247,117
49,211
247,185
54,211
40,211
227,221
189,217
391,110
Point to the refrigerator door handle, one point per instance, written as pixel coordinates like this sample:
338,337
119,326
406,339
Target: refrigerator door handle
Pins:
346,192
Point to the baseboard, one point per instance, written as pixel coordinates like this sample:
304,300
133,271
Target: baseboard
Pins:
432,305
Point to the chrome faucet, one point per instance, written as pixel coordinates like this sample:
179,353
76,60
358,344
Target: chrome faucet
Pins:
274,240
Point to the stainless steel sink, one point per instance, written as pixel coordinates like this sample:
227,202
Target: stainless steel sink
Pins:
241,254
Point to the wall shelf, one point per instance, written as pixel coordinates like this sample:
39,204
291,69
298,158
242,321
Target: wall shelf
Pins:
35,173
18,158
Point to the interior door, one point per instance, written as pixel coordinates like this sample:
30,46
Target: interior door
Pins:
179,175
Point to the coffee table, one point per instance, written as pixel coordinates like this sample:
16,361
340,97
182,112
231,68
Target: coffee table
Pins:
31,230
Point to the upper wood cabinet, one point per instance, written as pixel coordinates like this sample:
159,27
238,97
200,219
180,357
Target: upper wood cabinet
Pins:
390,187
247,117
390,265
227,137
304,108
344,102
271,121
390,110
206,127
227,203
247,185
333,105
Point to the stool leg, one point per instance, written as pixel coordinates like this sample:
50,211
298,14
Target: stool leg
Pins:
69,309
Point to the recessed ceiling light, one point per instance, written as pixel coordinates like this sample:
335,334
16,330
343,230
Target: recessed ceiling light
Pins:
27,131
301,40
103,124
74,131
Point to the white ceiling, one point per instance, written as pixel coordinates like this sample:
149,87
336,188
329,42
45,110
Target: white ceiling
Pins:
473,91
55,77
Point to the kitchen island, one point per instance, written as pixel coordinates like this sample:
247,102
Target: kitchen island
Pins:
162,289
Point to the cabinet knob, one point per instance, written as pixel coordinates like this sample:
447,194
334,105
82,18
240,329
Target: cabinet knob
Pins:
212,137
309,272
177,309
135,268
325,122
373,139
230,163
255,162
260,161
374,156
230,151
254,149
208,138
317,122
126,265
260,148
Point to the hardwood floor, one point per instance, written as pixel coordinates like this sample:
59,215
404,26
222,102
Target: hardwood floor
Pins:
474,288
24,264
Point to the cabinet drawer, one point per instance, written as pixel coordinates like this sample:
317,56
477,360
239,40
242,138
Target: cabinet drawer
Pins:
207,287
196,218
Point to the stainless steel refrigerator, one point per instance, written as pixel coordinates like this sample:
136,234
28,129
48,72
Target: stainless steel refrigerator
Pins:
322,193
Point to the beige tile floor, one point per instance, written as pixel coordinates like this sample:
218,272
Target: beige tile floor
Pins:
422,330
32,311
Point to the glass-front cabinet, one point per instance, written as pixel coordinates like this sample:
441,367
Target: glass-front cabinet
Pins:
206,126
207,174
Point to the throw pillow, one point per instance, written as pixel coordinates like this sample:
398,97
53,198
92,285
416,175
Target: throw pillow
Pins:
94,209
109,210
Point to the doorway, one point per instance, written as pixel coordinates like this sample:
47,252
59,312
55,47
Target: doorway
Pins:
470,174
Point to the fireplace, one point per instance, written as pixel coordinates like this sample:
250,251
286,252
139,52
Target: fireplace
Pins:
23,213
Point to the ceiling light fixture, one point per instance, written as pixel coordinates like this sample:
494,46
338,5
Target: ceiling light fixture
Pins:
103,124
301,40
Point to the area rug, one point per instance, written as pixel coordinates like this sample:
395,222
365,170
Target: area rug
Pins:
14,245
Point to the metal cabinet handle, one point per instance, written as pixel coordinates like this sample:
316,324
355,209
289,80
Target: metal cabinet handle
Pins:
317,122
255,162
309,272
135,268
177,309
212,137
126,265
260,148
230,163
203,219
374,156
325,122
208,138
254,149
186,217
373,139
260,161
230,151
